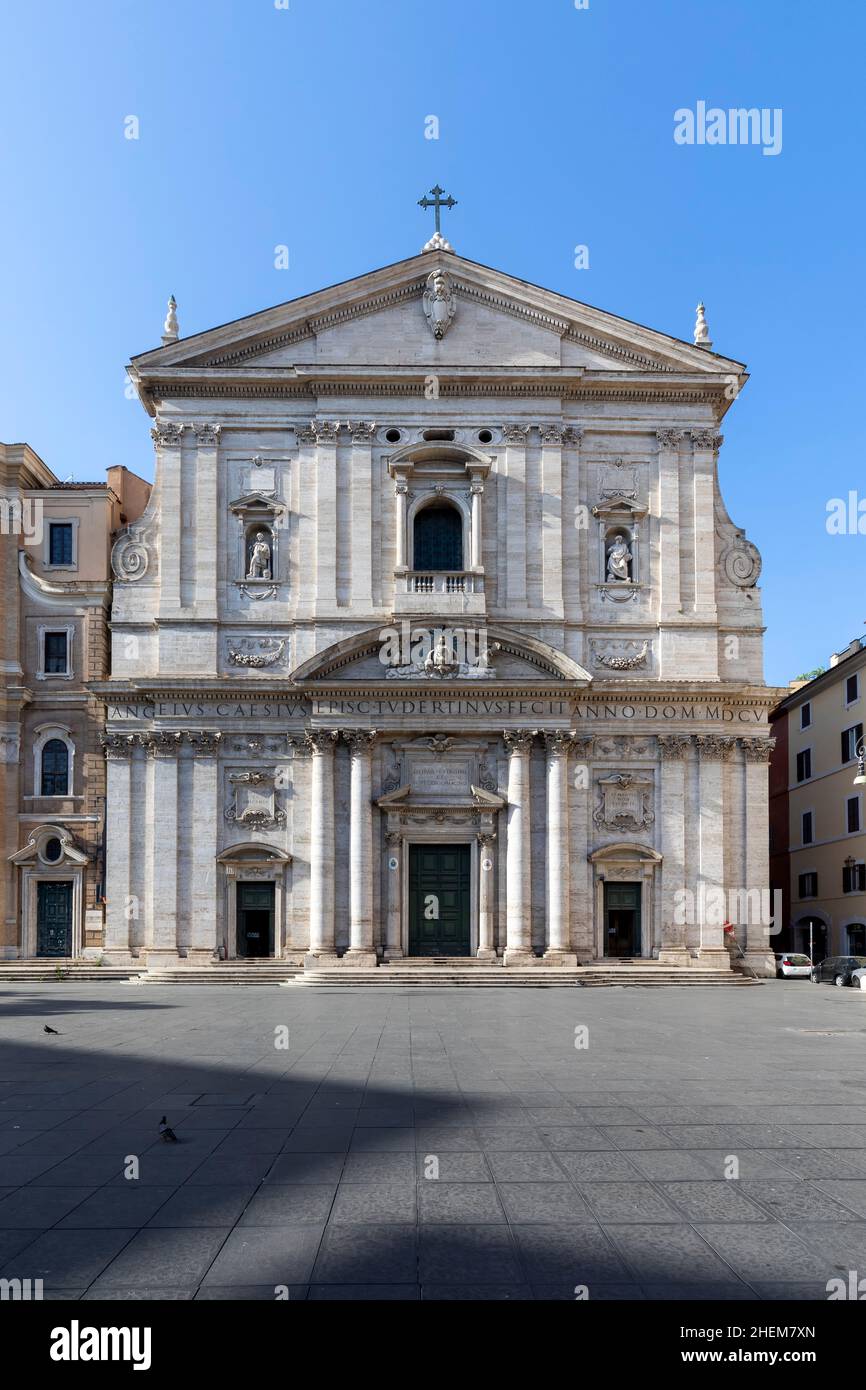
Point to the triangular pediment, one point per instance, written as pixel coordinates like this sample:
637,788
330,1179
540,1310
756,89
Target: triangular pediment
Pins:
360,320
499,658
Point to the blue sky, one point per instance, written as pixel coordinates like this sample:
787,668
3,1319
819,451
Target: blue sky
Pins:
262,126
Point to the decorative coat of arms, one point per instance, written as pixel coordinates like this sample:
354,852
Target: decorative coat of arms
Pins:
439,303
254,800
624,802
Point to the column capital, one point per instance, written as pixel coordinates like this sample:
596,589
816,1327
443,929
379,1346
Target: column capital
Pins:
319,432
117,746
718,746
205,743
757,750
360,741
207,436
518,740
320,740
558,742
486,838
572,434
705,439
669,439
362,431
162,743
515,434
551,435
673,747
166,434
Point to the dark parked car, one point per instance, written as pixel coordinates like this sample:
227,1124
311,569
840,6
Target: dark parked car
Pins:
839,970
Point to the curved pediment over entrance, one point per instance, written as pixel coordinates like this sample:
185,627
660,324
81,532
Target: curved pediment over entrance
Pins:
410,654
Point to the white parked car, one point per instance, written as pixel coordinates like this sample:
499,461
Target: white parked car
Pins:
858,977
792,965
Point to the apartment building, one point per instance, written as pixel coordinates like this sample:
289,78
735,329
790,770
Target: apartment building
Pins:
818,808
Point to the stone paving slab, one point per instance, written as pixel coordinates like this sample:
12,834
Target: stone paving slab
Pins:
442,1145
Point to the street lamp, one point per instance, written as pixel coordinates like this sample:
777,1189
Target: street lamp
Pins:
860,755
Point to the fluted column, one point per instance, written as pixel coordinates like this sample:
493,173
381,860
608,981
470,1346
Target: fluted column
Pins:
518,861
713,750
206,520
164,748
362,514
118,846
360,950
515,437
673,751
551,519
202,830
759,942
704,445
167,437
321,742
486,866
670,604
558,952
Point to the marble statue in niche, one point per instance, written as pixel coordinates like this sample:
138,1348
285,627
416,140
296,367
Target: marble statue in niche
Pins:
260,557
619,560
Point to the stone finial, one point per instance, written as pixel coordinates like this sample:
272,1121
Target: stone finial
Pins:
170,331
437,242
702,331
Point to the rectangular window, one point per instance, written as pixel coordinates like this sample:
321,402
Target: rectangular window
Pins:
60,543
852,689
853,814
807,828
808,885
56,654
854,878
804,765
850,740
806,715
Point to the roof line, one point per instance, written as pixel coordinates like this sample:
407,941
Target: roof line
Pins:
480,265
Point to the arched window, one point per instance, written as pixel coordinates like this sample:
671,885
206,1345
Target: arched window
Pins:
55,769
438,539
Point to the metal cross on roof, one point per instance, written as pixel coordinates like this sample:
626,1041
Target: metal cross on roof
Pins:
437,202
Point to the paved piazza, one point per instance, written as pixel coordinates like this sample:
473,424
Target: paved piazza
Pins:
308,1168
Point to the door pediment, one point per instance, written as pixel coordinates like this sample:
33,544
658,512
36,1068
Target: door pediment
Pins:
376,656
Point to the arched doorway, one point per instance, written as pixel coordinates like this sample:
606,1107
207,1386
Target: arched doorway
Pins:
255,913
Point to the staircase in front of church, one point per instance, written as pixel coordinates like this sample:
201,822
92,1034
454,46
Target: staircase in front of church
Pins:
444,971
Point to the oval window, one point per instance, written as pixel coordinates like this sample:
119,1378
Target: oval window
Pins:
52,850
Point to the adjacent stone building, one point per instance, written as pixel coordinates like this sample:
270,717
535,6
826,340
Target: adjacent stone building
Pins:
436,638
55,543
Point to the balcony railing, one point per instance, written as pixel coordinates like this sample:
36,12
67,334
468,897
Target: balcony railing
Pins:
443,582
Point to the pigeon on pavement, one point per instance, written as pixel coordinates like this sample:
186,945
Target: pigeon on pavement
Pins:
46,1029
166,1132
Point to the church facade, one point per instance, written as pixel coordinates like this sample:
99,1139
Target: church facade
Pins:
436,639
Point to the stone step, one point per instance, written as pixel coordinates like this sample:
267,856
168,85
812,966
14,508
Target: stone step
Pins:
272,974
39,972
533,977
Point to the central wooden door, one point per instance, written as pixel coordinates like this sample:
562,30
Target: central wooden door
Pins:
54,917
255,916
622,919
439,900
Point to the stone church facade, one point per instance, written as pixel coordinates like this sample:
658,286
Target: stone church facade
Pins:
436,639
